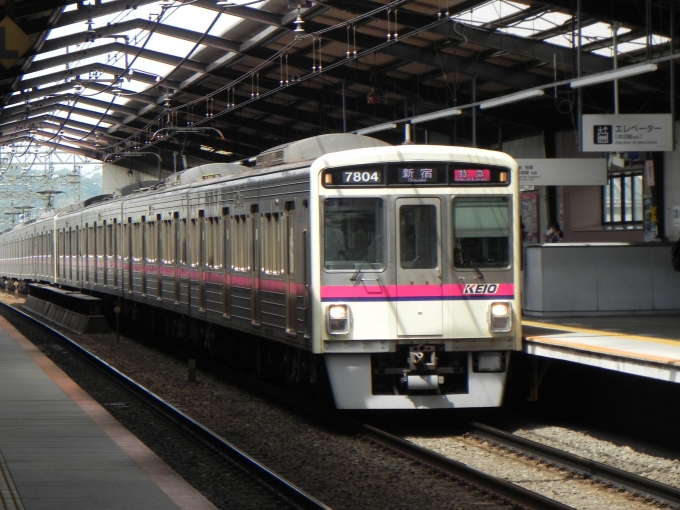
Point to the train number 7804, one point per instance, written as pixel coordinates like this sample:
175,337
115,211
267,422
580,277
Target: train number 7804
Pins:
362,177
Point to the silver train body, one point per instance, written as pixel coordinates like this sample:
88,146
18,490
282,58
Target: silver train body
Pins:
396,268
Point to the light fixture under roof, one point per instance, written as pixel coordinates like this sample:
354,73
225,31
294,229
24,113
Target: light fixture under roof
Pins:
511,98
436,115
616,74
298,24
376,128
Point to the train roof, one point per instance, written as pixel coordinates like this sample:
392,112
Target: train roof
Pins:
312,148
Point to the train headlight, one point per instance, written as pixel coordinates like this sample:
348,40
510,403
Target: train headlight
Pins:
500,317
337,319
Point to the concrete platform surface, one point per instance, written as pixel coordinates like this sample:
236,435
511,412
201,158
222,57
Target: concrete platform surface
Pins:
61,450
648,346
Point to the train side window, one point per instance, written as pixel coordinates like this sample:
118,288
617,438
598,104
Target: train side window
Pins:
100,241
212,234
223,247
290,235
481,230
169,241
124,248
239,244
182,233
109,241
151,240
271,244
195,243
91,246
137,240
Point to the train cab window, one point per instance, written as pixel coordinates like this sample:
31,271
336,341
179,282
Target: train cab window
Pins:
418,235
481,231
353,234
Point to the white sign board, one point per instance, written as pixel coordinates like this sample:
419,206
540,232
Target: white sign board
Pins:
676,217
629,132
562,172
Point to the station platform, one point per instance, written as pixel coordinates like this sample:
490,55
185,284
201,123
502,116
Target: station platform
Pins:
60,450
648,346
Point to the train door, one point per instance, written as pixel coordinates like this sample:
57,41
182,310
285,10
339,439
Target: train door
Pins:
419,267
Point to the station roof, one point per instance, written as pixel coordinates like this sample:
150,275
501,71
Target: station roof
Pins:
225,80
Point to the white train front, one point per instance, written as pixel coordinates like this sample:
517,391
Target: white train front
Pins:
389,272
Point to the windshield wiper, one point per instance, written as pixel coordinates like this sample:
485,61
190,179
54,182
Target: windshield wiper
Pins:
363,261
464,256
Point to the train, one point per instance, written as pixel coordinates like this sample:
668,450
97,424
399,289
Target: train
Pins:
387,276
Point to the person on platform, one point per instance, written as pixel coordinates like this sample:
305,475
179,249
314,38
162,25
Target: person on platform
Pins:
554,233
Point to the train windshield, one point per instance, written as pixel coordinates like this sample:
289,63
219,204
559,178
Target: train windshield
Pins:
481,230
353,235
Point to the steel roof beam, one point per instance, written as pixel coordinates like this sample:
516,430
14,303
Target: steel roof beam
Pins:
73,73
141,24
115,47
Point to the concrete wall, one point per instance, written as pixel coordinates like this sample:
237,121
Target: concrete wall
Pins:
567,279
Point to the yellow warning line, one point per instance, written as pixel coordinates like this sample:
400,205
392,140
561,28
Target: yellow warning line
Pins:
547,325
602,350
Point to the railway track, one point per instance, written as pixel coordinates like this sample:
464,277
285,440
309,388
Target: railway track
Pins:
279,486
630,481
496,488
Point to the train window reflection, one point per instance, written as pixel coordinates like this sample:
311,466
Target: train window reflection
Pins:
353,233
418,236
481,230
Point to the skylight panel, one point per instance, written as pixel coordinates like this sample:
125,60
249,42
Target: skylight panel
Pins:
630,46
599,31
192,17
489,12
82,118
170,45
151,66
537,24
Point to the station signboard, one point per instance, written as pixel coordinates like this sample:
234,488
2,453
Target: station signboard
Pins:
563,172
627,132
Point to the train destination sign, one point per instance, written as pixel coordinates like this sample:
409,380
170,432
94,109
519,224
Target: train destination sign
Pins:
472,175
417,175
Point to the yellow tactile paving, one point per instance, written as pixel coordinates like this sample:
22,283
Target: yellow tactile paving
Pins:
604,350
596,332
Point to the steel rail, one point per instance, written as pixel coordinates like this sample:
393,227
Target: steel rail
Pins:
630,481
510,491
278,484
